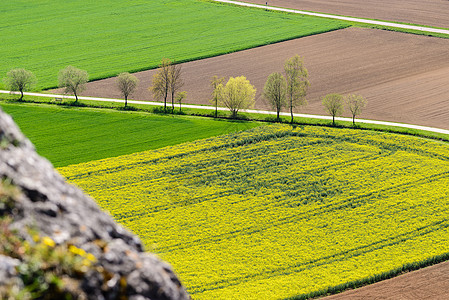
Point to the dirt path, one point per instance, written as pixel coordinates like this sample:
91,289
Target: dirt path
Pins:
429,283
430,12
403,76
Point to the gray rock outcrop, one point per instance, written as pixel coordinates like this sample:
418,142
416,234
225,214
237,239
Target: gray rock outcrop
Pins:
42,202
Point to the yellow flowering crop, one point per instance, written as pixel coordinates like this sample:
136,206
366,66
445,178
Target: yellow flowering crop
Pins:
277,211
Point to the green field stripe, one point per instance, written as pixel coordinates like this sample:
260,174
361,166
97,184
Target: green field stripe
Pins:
349,203
137,214
152,178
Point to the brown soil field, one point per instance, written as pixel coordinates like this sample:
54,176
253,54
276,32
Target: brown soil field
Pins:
429,283
404,77
429,12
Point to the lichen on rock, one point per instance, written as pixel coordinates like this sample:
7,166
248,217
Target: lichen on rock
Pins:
56,242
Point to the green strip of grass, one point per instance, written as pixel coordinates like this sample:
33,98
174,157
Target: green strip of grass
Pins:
69,135
209,112
360,126
403,30
106,37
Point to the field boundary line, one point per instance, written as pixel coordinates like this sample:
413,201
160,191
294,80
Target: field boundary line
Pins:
350,19
253,111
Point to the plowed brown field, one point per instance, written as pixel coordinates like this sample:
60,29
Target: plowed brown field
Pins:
404,77
430,283
428,12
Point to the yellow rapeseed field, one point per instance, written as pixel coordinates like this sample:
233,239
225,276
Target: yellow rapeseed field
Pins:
277,212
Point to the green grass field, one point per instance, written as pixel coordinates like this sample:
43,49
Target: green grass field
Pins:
73,135
106,37
277,212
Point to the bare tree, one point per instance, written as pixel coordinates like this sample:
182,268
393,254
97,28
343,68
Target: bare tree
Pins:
334,105
158,88
73,80
161,81
355,104
20,80
217,85
297,82
181,96
175,81
237,94
126,83
275,92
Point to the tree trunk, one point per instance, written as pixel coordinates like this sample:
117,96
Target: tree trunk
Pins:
172,103
278,116
126,100
291,112
21,95
216,109
353,120
165,103
76,97
291,108
333,120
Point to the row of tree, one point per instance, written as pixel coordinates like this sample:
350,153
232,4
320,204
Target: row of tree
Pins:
334,104
167,81
72,79
238,93
281,90
288,89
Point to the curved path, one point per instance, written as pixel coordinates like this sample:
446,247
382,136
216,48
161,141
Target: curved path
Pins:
411,126
351,19
426,13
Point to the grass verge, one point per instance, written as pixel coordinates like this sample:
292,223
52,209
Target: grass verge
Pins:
403,30
209,112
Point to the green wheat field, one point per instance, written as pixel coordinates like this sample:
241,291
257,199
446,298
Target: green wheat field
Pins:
106,37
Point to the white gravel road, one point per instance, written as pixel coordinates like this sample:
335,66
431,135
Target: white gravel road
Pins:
425,128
